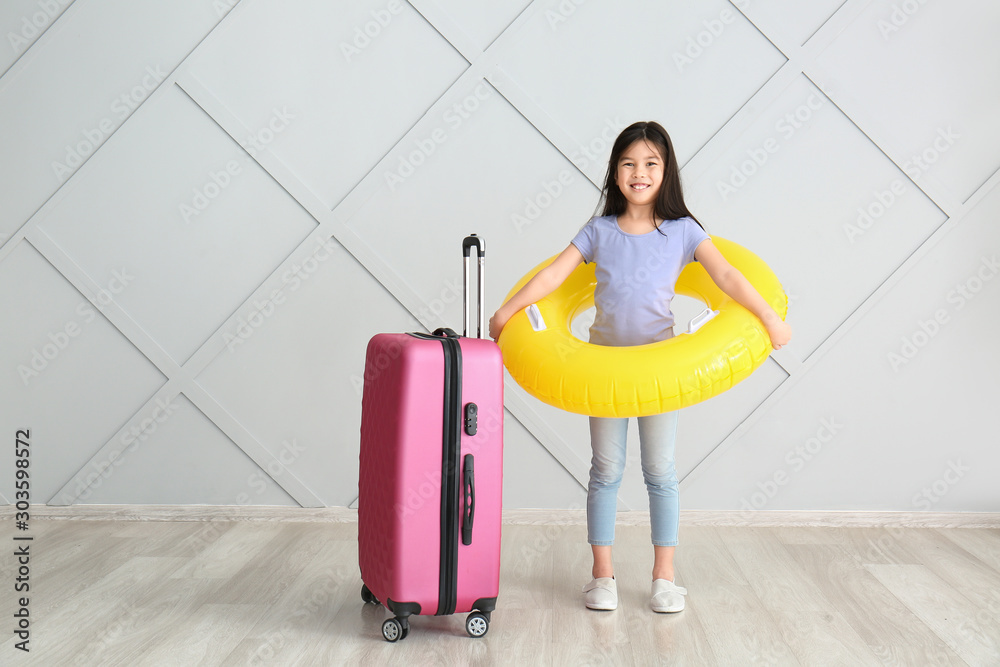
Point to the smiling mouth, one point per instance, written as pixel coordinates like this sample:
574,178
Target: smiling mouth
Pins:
639,186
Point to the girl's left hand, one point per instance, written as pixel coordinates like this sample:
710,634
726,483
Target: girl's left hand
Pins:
780,333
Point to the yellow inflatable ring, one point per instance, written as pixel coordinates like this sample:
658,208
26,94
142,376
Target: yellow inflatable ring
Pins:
562,370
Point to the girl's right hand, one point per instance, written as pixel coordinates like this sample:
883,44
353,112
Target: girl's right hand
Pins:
497,323
541,285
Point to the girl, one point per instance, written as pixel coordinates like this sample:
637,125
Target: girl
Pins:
640,243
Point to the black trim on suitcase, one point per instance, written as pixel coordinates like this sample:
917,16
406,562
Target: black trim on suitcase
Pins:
451,472
485,604
402,609
450,477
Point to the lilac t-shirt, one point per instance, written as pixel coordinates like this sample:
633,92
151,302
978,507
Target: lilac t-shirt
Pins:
636,274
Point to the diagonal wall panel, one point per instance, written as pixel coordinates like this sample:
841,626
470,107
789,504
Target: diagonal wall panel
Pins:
187,460
660,71
78,83
196,216
292,373
319,61
482,22
22,22
933,108
387,130
850,214
788,23
67,375
891,431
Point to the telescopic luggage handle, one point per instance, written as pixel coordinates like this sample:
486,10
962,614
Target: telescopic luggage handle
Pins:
480,245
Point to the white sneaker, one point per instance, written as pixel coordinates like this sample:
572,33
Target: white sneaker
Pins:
667,596
602,594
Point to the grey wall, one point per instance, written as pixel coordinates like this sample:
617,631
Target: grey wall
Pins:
208,210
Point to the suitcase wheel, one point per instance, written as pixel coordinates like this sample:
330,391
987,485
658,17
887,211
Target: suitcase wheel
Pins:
367,596
477,624
395,629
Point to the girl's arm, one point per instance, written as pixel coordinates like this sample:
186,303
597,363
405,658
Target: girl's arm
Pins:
734,284
541,285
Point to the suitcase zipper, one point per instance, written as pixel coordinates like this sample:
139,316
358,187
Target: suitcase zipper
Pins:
451,477
451,474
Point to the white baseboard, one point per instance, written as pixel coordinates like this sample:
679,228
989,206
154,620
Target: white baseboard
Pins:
541,517
188,513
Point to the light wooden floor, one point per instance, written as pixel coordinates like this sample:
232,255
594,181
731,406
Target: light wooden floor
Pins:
273,593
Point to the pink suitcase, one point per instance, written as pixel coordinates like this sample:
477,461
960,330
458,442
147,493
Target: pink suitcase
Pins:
431,474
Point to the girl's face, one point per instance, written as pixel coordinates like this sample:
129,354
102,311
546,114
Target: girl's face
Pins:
640,173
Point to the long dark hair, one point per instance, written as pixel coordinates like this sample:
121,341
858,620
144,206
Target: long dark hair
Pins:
669,203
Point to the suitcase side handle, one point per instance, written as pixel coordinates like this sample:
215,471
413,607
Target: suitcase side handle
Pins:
480,244
469,496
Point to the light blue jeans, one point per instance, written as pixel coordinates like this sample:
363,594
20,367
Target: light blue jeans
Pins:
657,434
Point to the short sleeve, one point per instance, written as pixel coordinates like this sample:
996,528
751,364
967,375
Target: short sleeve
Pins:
693,236
584,240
